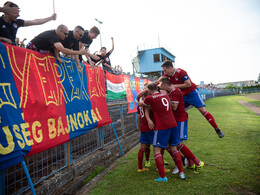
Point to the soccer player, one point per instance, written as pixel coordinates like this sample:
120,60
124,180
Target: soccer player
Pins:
179,78
146,134
163,128
181,117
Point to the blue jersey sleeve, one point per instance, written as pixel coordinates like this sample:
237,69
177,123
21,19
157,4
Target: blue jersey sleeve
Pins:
185,78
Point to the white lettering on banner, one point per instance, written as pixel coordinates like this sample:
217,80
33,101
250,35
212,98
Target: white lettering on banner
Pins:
56,128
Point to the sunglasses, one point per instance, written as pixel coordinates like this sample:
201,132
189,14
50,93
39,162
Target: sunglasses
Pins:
65,33
79,34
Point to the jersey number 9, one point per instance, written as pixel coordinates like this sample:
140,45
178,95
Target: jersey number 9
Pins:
165,103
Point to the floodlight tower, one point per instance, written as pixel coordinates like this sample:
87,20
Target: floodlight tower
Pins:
99,22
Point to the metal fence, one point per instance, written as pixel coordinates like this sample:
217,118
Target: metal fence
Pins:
45,164
251,90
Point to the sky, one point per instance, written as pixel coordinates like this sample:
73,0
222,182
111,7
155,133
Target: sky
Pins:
215,41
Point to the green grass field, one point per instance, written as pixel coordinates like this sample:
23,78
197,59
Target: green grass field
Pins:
232,163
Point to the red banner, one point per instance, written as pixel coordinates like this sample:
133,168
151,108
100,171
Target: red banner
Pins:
97,93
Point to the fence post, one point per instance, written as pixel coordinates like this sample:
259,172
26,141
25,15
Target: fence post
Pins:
136,125
117,139
28,177
2,181
67,153
122,120
101,137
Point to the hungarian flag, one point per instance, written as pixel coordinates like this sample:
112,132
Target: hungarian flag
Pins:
115,86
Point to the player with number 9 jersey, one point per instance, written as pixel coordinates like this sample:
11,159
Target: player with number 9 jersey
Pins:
162,111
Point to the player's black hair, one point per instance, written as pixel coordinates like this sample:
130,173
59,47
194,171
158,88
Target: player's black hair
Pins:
165,80
167,63
152,86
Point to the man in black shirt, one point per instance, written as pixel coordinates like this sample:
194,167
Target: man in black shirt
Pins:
9,24
72,42
50,41
106,62
86,41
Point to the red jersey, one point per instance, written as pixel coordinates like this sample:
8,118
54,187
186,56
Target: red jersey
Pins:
144,124
161,107
178,77
176,97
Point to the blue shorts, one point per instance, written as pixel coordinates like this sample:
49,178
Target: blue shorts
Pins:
175,137
194,98
161,138
183,129
146,137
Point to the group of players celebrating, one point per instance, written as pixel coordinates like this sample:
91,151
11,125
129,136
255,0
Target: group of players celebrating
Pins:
163,121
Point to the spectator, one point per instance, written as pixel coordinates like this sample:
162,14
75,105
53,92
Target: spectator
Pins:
106,63
118,69
17,41
86,41
72,42
9,24
50,41
100,58
20,43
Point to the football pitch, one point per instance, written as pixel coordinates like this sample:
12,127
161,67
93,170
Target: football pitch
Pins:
232,163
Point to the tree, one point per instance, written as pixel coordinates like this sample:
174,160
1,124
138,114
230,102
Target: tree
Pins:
258,78
231,86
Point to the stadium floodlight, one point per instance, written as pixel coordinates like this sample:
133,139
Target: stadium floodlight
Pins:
99,22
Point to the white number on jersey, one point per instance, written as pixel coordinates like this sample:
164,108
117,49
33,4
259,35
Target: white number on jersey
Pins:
165,103
141,111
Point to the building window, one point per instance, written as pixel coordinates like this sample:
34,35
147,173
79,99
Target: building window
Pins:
156,57
163,58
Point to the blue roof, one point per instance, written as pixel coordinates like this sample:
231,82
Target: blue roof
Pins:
142,51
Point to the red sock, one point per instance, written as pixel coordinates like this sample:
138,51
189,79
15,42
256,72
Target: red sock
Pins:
140,158
147,153
169,150
176,155
186,152
191,162
162,151
160,165
210,119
